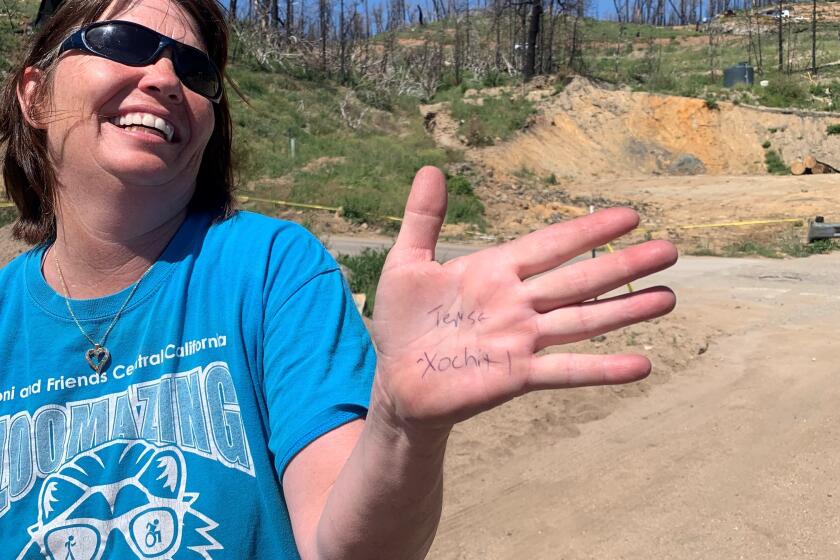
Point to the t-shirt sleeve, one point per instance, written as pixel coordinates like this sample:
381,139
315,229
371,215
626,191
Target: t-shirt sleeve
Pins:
318,357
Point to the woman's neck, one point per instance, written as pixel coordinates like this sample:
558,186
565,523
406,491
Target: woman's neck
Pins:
101,253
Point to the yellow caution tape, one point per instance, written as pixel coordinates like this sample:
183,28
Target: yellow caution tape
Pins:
245,198
287,203
727,224
743,223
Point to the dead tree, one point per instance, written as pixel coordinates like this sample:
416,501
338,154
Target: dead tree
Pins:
498,10
714,32
342,43
814,36
324,24
458,49
781,37
531,45
754,45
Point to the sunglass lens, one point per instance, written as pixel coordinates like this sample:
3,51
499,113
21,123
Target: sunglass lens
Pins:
126,44
197,72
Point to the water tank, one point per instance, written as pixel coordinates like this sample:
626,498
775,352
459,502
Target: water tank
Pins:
741,73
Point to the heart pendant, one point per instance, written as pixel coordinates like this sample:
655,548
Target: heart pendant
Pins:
98,358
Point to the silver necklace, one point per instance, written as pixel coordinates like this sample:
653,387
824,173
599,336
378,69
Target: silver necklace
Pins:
97,357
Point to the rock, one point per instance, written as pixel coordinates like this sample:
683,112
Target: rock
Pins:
687,164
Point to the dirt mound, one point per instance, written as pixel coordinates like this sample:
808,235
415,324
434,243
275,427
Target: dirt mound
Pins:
588,131
440,124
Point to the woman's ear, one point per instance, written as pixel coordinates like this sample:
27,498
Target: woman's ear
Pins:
27,94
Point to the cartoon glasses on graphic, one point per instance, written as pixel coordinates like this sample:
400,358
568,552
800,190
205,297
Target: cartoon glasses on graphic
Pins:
149,533
127,497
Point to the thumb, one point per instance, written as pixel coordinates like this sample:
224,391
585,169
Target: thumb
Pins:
424,214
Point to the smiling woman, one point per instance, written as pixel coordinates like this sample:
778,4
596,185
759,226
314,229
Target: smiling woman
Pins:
186,381
117,143
59,56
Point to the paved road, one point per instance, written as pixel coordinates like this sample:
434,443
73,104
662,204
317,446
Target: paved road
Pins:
346,245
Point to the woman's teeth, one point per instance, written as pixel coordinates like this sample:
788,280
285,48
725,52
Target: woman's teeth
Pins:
145,120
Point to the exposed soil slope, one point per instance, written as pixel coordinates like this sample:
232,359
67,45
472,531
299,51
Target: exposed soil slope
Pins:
588,131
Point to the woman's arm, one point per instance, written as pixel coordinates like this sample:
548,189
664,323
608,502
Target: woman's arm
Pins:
383,502
452,341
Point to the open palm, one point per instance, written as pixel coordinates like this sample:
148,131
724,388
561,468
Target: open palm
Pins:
458,338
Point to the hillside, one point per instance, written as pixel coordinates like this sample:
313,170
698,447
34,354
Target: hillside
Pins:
520,156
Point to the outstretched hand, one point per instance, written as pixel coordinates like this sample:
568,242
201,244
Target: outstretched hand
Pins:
459,338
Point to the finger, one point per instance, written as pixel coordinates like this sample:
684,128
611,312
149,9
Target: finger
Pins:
558,371
590,278
552,246
585,320
424,214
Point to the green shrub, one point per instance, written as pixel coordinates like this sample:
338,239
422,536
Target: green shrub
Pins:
374,97
459,185
365,270
551,179
766,144
476,132
775,164
785,91
465,209
821,246
497,117
662,81
692,85
494,78
796,248
361,208
832,129
711,104
750,247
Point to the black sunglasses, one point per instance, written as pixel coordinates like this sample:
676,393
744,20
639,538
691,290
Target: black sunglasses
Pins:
134,45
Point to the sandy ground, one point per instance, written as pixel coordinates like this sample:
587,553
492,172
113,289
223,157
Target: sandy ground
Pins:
733,457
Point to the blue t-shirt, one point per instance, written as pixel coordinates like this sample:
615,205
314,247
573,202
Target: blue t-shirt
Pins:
239,347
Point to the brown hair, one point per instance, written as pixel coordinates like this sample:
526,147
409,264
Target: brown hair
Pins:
27,172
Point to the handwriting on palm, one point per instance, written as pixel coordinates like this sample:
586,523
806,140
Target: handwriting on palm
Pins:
459,338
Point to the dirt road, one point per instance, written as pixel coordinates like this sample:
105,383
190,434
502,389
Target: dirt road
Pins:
734,457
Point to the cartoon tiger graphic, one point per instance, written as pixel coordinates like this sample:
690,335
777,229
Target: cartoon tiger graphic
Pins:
121,499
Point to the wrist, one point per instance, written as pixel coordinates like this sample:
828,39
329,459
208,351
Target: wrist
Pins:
384,419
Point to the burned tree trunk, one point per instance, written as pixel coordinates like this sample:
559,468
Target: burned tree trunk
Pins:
533,34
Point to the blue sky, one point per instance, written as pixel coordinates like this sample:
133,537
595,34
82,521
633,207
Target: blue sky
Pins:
602,9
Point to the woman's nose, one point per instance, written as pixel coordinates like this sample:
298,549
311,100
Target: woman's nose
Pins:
160,79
